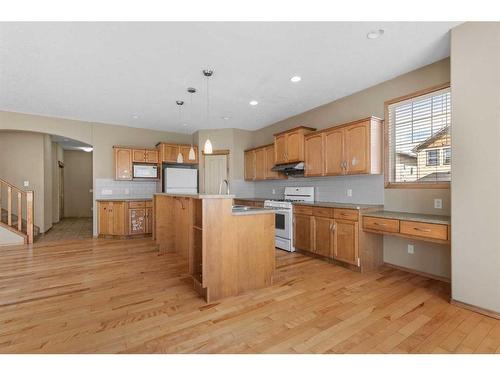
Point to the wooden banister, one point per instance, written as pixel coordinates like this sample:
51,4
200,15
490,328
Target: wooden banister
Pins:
22,196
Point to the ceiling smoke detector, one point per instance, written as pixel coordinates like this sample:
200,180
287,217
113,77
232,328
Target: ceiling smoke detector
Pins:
374,34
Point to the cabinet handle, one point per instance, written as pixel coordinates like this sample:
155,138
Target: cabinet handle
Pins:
331,225
380,224
422,229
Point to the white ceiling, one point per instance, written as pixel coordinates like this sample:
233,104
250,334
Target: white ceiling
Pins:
111,72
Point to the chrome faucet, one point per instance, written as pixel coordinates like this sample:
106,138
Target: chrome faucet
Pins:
227,187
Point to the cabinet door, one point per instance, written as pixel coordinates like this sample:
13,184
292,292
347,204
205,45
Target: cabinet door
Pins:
250,165
269,174
260,164
170,153
314,165
138,156
345,246
294,146
149,220
334,152
323,236
137,221
105,214
302,232
119,219
280,149
151,156
357,144
123,164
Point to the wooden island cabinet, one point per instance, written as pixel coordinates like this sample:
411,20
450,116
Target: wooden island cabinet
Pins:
227,253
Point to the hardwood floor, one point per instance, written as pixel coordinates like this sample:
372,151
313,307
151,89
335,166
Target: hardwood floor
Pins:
120,296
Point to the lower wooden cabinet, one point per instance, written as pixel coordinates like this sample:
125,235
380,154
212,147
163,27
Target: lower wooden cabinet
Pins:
346,241
125,218
323,236
334,233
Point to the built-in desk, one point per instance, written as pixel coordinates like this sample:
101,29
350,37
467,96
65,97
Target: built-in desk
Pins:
431,228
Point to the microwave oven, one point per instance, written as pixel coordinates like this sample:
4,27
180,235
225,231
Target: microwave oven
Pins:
145,171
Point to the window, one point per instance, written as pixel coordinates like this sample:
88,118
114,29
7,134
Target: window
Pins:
418,153
447,156
432,158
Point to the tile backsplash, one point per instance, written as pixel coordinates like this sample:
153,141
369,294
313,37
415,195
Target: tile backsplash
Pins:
109,188
368,189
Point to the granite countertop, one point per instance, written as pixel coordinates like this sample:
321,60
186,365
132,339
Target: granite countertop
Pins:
123,199
354,206
409,216
199,196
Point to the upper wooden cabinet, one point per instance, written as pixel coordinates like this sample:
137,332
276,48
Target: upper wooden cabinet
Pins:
170,151
144,156
289,145
123,163
353,148
258,164
249,165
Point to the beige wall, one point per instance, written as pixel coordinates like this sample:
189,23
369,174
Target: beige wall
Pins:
22,159
427,258
475,201
77,184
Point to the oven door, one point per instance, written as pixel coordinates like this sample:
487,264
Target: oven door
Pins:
283,223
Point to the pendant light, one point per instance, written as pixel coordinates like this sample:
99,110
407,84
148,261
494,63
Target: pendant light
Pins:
207,149
180,103
192,155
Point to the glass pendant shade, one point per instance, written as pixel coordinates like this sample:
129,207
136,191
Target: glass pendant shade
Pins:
207,149
180,158
191,156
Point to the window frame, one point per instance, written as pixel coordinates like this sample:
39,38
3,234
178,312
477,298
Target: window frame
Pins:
387,172
444,156
427,153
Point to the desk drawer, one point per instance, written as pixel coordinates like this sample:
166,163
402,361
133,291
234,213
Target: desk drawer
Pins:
346,214
377,223
414,228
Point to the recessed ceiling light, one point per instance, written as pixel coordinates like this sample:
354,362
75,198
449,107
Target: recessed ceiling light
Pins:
253,102
295,79
374,34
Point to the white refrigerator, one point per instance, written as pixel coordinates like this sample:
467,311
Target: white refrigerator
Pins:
180,180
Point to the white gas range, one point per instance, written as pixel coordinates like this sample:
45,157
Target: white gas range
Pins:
284,214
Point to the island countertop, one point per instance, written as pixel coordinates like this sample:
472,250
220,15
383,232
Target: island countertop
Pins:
199,196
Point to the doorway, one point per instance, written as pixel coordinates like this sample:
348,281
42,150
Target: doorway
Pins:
216,170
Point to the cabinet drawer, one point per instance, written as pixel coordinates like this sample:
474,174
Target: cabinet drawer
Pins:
346,214
436,231
322,211
149,204
137,204
377,223
304,210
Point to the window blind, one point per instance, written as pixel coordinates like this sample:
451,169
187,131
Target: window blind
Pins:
419,139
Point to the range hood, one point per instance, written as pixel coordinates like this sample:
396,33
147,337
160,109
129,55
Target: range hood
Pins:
293,169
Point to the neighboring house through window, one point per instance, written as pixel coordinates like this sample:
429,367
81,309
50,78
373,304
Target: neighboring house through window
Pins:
418,152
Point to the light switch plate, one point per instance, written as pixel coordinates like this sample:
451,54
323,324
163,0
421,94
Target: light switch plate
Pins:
274,191
438,203
26,183
349,192
411,249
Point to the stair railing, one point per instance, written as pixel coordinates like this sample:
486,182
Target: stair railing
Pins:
21,196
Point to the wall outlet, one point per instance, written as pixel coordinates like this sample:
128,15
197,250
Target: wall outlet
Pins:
127,191
107,192
274,191
411,249
438,203
26,183
349,192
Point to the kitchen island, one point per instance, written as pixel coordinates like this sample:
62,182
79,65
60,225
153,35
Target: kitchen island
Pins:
228,251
